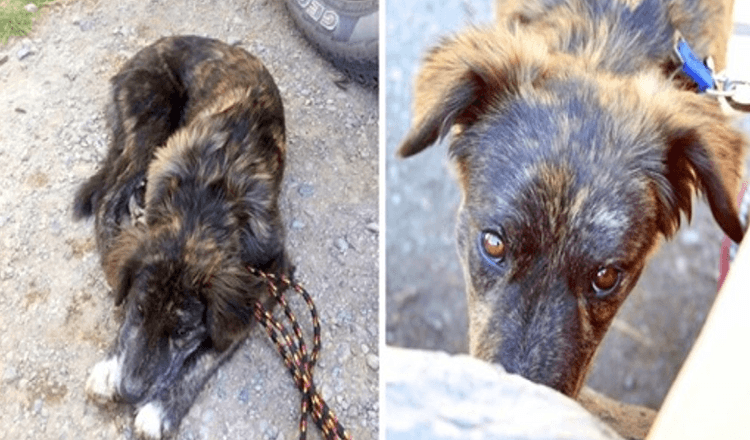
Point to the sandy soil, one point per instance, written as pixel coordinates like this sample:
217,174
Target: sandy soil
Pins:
56,317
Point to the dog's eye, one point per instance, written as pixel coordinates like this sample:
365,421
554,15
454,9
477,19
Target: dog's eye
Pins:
493,245
605,280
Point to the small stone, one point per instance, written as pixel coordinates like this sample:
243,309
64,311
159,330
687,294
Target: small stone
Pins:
243,396
296,224
3,60
343,352
10,374
23,52
31,7
372,361
365,349
373,227
341,244
38,406
306,190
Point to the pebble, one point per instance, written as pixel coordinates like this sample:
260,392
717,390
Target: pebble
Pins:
343,352
25,50
341,244
306,190
373,361
3,59
296,224
243,396
31,7
38,406
10,374
373,227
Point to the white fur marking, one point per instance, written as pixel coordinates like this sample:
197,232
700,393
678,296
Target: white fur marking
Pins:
103,380
608,220
148,421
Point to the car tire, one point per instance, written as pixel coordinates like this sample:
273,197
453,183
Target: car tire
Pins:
344,31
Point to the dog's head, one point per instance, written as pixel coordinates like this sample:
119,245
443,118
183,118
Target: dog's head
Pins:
178,301
569,175
182,275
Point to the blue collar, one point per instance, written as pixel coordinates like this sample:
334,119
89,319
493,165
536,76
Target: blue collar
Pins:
692,66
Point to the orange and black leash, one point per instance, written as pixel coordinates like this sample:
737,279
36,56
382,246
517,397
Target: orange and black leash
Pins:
292,348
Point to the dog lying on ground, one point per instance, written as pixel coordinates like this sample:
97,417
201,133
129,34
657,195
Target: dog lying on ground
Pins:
577,144
185,201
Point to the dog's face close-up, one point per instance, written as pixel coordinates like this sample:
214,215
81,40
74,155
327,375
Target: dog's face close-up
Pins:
570,176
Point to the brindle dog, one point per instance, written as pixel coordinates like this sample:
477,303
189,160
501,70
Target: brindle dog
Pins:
578,143
184,202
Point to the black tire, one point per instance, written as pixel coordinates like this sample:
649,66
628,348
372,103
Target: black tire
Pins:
345,31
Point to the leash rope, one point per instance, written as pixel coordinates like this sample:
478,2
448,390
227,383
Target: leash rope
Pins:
293,350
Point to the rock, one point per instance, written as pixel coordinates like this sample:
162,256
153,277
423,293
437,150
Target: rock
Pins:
343,352
306,190
341,244
3,59
438,396
373,227
31,7
372,361
38,406
25,50
10,374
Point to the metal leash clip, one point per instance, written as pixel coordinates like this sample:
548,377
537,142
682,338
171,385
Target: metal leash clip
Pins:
735,92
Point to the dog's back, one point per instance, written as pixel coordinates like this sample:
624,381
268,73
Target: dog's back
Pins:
165,87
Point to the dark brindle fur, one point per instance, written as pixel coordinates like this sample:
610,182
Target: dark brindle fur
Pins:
576,146
185,200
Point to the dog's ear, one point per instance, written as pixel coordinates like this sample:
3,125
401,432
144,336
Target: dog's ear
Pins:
117,259
703,153
229,307
127,275
464,75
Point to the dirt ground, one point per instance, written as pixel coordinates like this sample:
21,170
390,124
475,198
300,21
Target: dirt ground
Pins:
425,304
56,310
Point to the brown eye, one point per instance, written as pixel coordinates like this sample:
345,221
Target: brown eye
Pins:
493,245
606,279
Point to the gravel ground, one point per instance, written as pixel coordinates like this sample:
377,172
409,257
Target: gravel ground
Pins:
57,319
425,303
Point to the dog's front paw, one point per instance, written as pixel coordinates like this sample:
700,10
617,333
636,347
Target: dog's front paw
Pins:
102,382
150,422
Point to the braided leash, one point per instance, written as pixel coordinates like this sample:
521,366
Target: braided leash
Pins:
294,352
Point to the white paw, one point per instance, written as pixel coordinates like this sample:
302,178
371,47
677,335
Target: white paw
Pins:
103,380
148,421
